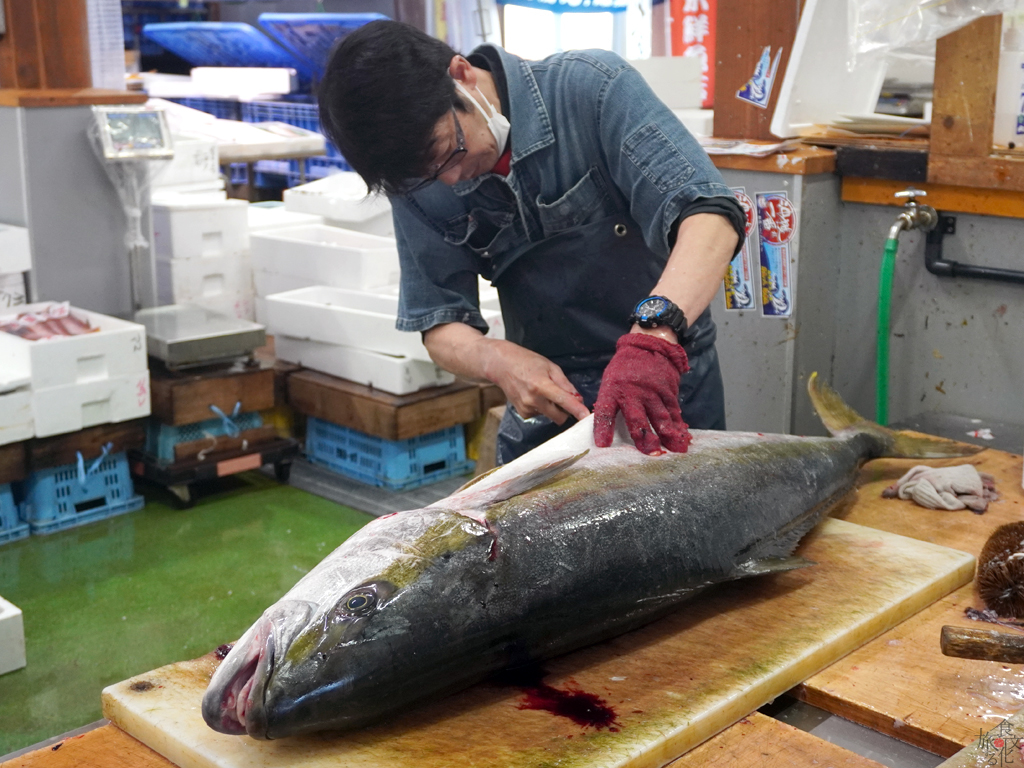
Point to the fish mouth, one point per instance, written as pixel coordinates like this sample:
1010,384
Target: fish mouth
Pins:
234,704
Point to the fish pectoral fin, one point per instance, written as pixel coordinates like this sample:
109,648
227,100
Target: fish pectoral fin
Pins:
772,565
531,478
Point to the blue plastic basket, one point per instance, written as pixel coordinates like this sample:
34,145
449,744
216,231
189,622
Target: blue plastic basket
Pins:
223,44
395,464
311,36
66,496
11,526
161,438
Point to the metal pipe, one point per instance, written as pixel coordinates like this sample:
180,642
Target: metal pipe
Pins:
935,264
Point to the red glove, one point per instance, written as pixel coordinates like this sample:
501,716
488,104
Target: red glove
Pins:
642,380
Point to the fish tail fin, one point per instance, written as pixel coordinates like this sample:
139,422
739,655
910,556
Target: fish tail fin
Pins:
840,419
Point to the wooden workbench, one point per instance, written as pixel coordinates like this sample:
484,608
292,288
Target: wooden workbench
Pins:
898,684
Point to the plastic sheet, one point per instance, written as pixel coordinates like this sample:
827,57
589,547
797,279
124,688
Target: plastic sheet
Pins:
879,27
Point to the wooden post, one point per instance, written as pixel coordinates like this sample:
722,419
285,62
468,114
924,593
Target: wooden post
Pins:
743,30
46,45
963,110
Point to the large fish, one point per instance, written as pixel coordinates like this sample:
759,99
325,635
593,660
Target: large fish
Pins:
566,546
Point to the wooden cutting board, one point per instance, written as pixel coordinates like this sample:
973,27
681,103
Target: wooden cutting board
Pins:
670,685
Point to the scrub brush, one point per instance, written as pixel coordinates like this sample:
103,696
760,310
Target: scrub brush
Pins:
1001,571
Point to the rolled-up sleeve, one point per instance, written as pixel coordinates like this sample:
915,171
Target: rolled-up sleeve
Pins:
439,280
654,160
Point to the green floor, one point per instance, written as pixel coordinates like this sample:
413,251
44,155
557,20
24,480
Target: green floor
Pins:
123,596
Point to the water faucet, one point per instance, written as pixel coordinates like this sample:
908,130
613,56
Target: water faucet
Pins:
915,215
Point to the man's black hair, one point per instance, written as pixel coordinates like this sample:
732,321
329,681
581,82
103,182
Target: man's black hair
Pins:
385,89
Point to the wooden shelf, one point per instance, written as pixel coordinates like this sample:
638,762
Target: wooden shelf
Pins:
66,97
942,197
802,162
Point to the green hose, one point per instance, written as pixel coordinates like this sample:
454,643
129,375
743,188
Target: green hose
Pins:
882,355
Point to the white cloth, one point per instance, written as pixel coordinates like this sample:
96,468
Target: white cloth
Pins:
952,488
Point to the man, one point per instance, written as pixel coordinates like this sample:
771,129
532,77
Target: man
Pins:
578,194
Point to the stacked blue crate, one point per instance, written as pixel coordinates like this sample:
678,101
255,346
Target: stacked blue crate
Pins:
304,115
161,438
70,495
395,464
11,526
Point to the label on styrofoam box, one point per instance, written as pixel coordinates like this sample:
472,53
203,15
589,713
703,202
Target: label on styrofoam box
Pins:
12,290
397,375
15,255
116,348
12,637
186,229
195,160
70,408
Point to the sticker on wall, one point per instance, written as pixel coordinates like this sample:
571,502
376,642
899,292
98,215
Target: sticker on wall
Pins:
739,281
758,89
776,220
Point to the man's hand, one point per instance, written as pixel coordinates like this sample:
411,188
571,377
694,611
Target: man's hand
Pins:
642,380
532,383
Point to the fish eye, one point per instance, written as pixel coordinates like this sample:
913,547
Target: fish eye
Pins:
360,603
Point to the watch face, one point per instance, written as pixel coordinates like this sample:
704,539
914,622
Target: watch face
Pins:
651,307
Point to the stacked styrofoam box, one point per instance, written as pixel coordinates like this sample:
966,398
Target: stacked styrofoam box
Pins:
352,334
343,200
202,249
12,637
302,256
81,381
16,422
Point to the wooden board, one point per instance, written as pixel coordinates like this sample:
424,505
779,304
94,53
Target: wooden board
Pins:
185,397
743,28
13,465
943,197
47,452
802,162
672,684
66,97
901,684
249,438
46,45
393,417
756,741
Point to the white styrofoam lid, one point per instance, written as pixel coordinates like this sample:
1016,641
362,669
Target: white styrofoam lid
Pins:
15,255
818,87
340,196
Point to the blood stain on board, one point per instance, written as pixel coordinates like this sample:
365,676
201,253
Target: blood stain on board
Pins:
585,709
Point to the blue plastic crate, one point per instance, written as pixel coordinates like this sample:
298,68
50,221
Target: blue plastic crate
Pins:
11,526
311,36
223,44
396,464
161,438
71,494
225,109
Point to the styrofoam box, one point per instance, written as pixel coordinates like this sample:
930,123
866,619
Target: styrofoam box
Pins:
16,422
243,82
192,281
15,255
344,200
397,375
268,283
195,160
263,217
241,305
12,290
198,192
70,408
327,256
118,348
351,319
185,229
12,637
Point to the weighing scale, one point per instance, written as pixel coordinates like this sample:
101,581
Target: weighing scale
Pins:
185,336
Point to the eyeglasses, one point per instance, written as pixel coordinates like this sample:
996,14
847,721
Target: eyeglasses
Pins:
453,159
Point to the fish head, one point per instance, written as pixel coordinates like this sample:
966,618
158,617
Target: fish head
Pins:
356,625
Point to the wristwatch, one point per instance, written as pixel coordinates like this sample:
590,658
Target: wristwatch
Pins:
657,311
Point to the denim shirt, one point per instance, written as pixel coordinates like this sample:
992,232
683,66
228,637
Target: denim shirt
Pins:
589,140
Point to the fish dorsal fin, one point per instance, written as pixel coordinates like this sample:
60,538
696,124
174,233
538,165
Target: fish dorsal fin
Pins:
495,485
772,565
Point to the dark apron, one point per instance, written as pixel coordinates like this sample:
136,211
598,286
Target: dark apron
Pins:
569,298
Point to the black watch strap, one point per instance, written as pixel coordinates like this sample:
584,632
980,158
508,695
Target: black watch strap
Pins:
658,312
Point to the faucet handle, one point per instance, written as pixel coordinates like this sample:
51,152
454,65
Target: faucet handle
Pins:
911,193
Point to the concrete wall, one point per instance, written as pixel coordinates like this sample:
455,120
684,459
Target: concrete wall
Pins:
957,346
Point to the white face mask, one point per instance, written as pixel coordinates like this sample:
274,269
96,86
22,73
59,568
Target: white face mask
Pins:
496,121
